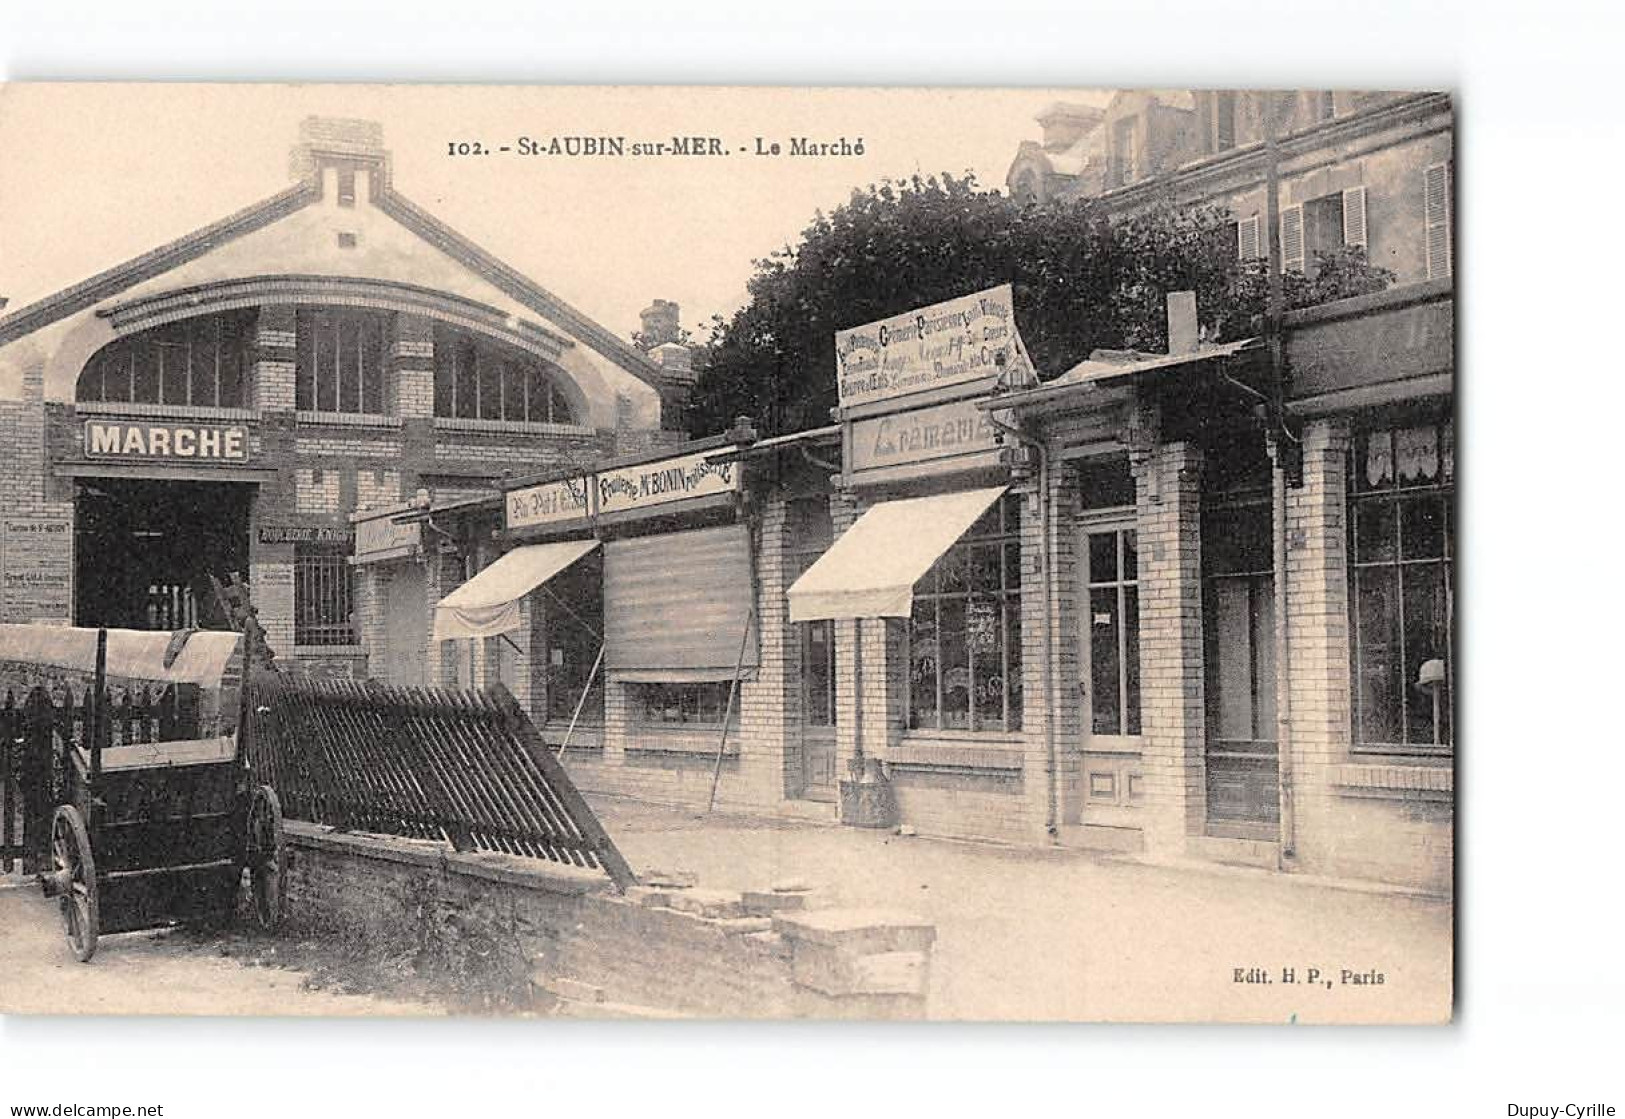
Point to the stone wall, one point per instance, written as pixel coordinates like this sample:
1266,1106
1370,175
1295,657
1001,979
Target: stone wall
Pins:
561,938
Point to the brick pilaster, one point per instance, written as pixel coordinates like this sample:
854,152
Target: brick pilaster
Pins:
1168,497
274,353
1318,632
411,366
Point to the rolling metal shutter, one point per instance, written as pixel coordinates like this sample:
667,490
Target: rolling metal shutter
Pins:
676,606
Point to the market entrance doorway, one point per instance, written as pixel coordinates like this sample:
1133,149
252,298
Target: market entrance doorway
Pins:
144,550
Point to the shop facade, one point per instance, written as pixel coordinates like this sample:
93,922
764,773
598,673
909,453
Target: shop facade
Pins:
1176,504
1010,610
637,612
223,403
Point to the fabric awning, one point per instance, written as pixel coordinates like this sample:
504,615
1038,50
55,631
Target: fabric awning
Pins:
488,604
871,570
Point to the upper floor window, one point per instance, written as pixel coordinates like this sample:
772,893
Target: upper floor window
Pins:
199,362
1124,164
340,360
1322,226
475,379
1402,548
1224,120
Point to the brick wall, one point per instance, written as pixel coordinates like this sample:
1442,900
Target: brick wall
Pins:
26,486
655,950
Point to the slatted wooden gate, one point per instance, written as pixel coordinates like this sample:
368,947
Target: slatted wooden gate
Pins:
463,766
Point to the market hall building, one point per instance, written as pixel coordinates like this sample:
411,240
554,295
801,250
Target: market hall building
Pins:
223,403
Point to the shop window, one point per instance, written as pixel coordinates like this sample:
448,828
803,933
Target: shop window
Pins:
1240,625
195,363
475,379
1401,598
683,705
1114,631
340,361
323,596
965,632
573,606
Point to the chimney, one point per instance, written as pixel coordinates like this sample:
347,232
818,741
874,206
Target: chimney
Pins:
660,323
1183,336
1065,123
344,155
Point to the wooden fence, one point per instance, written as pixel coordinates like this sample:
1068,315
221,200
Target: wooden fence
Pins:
463,766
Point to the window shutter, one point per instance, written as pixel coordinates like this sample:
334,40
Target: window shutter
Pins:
1247,246
1436,203
1354,217
1292,239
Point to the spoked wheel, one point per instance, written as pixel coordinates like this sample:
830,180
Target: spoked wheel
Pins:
267,857
72,881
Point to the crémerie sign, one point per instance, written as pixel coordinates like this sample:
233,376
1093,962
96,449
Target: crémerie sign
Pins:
192,442
947,431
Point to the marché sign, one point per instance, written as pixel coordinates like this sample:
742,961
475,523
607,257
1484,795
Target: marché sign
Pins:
122,439
969,339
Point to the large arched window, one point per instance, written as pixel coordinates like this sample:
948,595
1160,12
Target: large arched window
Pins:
198,362
340,360
478,379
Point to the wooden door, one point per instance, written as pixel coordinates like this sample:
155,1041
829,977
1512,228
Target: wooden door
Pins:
1108,684
406,626
818,711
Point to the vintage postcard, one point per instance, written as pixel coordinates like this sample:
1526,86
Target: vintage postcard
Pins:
707,553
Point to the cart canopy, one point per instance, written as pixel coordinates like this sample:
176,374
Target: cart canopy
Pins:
180,657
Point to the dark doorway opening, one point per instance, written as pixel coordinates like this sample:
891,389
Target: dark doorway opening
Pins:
144,550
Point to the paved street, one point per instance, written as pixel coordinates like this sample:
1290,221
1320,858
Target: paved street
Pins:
146,973
1066,934
1022,933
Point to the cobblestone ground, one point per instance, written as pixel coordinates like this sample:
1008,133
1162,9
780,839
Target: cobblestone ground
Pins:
1045,933
148,973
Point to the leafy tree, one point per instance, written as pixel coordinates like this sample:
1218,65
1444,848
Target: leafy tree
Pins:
1080,283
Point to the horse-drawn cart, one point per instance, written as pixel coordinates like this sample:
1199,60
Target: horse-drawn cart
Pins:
153,812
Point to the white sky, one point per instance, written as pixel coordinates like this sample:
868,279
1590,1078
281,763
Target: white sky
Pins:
99,173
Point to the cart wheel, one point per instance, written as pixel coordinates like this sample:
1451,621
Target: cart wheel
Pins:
74,875
267,857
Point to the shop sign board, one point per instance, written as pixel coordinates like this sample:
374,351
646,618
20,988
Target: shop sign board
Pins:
36,569
650,484
193,442
305,534
957,342
549,503
944,431
379,538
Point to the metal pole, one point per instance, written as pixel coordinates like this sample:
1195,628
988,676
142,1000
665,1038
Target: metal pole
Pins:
733,689
1277,437
98,711
581,701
